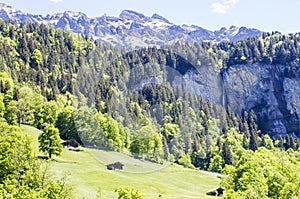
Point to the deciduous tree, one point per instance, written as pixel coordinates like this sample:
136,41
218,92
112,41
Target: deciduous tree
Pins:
49,141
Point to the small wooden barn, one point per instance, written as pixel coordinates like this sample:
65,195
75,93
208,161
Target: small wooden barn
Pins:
70,143
115,166
216,192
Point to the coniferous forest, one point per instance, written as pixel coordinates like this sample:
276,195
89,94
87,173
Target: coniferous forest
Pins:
75,88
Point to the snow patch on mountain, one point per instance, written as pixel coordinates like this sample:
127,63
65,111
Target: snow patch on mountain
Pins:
130,29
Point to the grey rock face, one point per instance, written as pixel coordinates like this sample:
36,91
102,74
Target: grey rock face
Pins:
271,91
251,87
292,93
272,94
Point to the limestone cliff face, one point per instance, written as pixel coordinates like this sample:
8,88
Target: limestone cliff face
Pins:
292,93
273,92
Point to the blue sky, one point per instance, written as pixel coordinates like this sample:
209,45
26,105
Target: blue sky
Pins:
265,15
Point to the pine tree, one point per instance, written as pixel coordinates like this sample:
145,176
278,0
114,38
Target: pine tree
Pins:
292,145
245,141
280,143
253,141
252,121
227,154
287,142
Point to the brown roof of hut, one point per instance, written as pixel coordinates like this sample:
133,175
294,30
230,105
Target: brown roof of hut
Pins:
115,166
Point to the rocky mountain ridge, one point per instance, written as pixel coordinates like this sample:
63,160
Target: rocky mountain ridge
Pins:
130,29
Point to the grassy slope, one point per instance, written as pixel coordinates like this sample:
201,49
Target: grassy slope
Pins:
88,173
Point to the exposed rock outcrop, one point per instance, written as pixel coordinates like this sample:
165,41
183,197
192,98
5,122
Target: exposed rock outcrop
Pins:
271,91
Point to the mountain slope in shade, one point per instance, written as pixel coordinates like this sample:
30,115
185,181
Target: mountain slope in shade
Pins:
130,29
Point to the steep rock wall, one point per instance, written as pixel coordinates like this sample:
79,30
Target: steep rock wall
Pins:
273,92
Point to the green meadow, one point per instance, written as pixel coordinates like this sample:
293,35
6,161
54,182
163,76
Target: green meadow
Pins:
88,174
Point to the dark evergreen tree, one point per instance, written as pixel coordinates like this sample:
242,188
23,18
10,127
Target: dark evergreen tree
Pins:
227,154
253,144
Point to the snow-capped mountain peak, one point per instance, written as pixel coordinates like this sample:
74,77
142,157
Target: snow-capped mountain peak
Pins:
157,16
74,15
132,15
130,29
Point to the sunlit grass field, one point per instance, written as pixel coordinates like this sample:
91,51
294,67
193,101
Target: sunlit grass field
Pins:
87,172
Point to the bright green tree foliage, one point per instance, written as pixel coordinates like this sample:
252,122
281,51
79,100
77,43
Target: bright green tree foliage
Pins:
170,131
264,174
66,124
21,175
127,193
15,151
37,57
114,134
49,141
146,141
